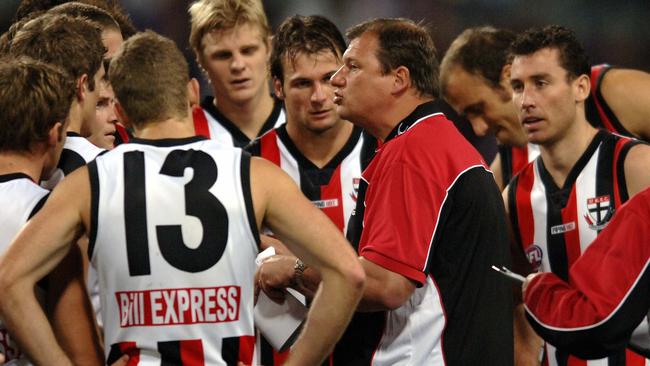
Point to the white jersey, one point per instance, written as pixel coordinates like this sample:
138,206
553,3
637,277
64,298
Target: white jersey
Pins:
77,152
20,198
211,123
174,241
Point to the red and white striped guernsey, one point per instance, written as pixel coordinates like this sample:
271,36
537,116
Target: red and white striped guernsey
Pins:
174,240
210,123
554,225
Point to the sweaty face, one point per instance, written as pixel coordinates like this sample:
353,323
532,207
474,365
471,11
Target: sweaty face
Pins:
546,101
361,88
489,109
235,61
307,92
102,131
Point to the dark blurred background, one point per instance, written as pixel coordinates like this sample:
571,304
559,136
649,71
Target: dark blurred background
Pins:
616,32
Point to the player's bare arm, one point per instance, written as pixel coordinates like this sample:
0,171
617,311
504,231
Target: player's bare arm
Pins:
36,251
634,113
308,233
637,174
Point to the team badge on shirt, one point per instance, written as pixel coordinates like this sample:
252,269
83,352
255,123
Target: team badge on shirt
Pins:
599,212
534,254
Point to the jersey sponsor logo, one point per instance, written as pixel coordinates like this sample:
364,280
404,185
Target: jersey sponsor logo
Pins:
535,255
334,202
561,229
179,306
355,189
599,212
7,346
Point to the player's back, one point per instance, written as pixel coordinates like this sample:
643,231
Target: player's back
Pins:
174,241
20,198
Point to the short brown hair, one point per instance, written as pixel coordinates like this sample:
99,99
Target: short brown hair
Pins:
33,97
402,42
215,15
149,76
304,34
73,44
91,12
480,51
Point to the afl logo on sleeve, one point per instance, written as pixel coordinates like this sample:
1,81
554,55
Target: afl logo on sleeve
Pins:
535,255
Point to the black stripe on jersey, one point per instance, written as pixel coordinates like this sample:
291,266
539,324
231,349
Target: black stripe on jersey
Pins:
604,172
38,206
512,209
368,149
94,207
135,213
170,353
266,352
355,224
230,350
168,142
471,235
114,354
12,176
245,171
70,161
360,340
311,176
238,137
254,148
592,112
620,169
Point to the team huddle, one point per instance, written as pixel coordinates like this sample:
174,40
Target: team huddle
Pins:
134,211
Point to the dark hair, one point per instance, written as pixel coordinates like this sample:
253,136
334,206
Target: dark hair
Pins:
73,44
126,26
149,76
481,51
34,96
572,56
304,34
7,37
77,9
402,42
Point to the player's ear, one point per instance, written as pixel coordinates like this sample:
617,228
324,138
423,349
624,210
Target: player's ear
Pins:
193,92
56,134
277,88
82,87
401,79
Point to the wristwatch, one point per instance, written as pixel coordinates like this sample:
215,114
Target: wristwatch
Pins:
298,270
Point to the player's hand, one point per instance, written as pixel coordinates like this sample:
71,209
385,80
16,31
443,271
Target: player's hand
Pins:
2,358
525,284
122,361
274,275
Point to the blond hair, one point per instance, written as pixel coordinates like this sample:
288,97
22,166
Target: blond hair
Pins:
215,15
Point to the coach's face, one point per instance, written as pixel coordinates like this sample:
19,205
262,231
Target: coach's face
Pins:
361,87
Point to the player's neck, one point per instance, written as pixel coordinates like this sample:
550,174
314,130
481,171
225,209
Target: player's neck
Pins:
320,148
248,116
173,128
560,156
25,162
75,118
394,112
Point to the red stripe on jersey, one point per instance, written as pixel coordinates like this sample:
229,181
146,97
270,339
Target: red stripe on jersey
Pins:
571,237
279,358
332,191
246,347
617,152
519,159
269,149
575,361
121,130
633,359
192,352
525,215
595,74
131,349
200,122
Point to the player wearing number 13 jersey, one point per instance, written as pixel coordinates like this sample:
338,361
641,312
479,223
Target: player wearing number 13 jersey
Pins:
173,223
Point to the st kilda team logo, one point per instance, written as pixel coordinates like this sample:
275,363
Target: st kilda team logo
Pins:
599,212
